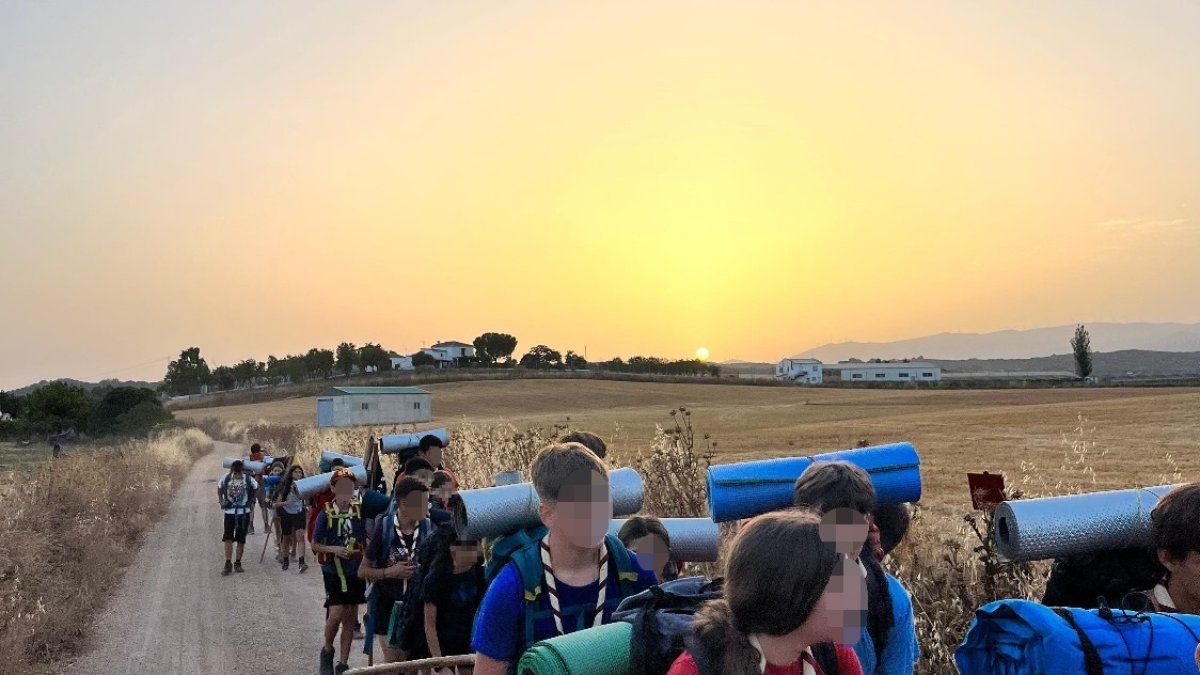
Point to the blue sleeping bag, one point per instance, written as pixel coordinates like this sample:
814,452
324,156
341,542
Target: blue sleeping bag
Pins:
1020,637
737,491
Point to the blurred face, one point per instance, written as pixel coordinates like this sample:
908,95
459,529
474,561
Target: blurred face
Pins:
424,475
839,614
583,510
434,456
846,530
652,553
277,471
466,553
297,473
444,492
343,489
414,506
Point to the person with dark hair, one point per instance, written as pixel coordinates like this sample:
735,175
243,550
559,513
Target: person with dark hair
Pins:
442,489
257,455
647,537
588,440
1175,532
418,468
391,562
889,639
789,592
891,524
337,541
451,593
235,494
289,513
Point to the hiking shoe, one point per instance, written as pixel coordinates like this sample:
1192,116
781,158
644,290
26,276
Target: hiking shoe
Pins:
303,566
341,668
326,663
285,564
227,570
237,567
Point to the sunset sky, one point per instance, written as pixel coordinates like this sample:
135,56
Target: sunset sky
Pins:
633,177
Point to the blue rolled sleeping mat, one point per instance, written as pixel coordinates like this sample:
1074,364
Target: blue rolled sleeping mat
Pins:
1021,637
393,443
737,491
348,460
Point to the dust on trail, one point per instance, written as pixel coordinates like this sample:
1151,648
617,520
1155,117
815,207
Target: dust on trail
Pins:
175,614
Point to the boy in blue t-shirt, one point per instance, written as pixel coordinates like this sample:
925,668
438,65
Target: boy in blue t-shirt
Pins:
888,644
582,585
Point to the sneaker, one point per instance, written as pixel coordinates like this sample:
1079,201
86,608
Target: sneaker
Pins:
341,668
303,566
227,570
237,567
285,564
326,663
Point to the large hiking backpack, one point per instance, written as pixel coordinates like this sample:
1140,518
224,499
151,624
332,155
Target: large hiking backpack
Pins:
1081,580
1021,636
521,549
331,524
662,618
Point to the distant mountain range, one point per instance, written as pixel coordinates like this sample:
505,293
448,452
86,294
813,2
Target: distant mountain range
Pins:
87,385
1018,344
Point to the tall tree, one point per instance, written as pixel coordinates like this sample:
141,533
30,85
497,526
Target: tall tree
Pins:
107,416
375,356
347,357
58,406
1081,345
492,347
224,378
319,362
188,373
574,361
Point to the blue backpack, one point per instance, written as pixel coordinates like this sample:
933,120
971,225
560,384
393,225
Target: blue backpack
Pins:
521,548
1021,636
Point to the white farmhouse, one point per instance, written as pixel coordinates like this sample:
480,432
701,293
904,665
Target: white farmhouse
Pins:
449,353
800,370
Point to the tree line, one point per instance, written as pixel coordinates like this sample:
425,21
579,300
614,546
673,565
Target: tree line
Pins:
60,407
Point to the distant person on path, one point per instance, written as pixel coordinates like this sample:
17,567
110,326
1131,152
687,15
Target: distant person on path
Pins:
289,513
257,455
236,494
338,540
270,482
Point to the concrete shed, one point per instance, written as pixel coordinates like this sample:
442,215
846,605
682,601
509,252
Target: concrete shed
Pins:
354,406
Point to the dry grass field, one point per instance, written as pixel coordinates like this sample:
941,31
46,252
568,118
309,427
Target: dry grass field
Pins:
1129,432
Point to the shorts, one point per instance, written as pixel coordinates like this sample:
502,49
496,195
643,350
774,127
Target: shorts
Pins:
355,593
289,522
235,527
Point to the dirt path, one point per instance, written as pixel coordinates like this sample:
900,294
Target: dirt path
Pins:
174,612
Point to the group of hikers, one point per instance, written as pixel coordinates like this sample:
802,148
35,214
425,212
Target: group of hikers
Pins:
803,590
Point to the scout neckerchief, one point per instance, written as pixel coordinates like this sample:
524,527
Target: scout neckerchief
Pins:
1162,598
345,527
806,657
409,551
552,588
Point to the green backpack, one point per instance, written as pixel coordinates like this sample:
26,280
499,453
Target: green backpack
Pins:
522,549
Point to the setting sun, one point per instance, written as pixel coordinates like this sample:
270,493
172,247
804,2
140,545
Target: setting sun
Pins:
702,353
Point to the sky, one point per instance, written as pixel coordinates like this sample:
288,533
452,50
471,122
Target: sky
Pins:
625,177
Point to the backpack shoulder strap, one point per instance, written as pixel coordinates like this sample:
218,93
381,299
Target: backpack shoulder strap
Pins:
1091,657
627,577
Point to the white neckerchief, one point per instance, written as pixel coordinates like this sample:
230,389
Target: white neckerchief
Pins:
861,567
1162,597
552,588
409,553
762,658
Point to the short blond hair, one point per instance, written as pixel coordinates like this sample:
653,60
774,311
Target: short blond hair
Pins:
556,464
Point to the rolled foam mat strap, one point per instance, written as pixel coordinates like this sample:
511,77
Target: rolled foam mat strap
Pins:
1053,527
398,442
315,484
603,650
692,539
1012,637
737,491
494,511
350,460
249,465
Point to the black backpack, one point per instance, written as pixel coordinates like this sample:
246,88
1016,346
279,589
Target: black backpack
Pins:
662,619
1081,580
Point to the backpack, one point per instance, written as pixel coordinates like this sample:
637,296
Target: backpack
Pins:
1021,636
662,619
330,516
521,549
1082,580
228,503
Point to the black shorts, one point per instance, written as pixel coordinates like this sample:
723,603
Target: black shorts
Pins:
355,593
383,614
290,522
235,527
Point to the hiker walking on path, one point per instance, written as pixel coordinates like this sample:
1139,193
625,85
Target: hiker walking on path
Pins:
235,494
289,513
338,542
257,455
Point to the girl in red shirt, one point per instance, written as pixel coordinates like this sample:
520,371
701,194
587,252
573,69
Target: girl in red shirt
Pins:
792,602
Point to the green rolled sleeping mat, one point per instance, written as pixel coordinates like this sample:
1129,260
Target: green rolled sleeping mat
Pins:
603,650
